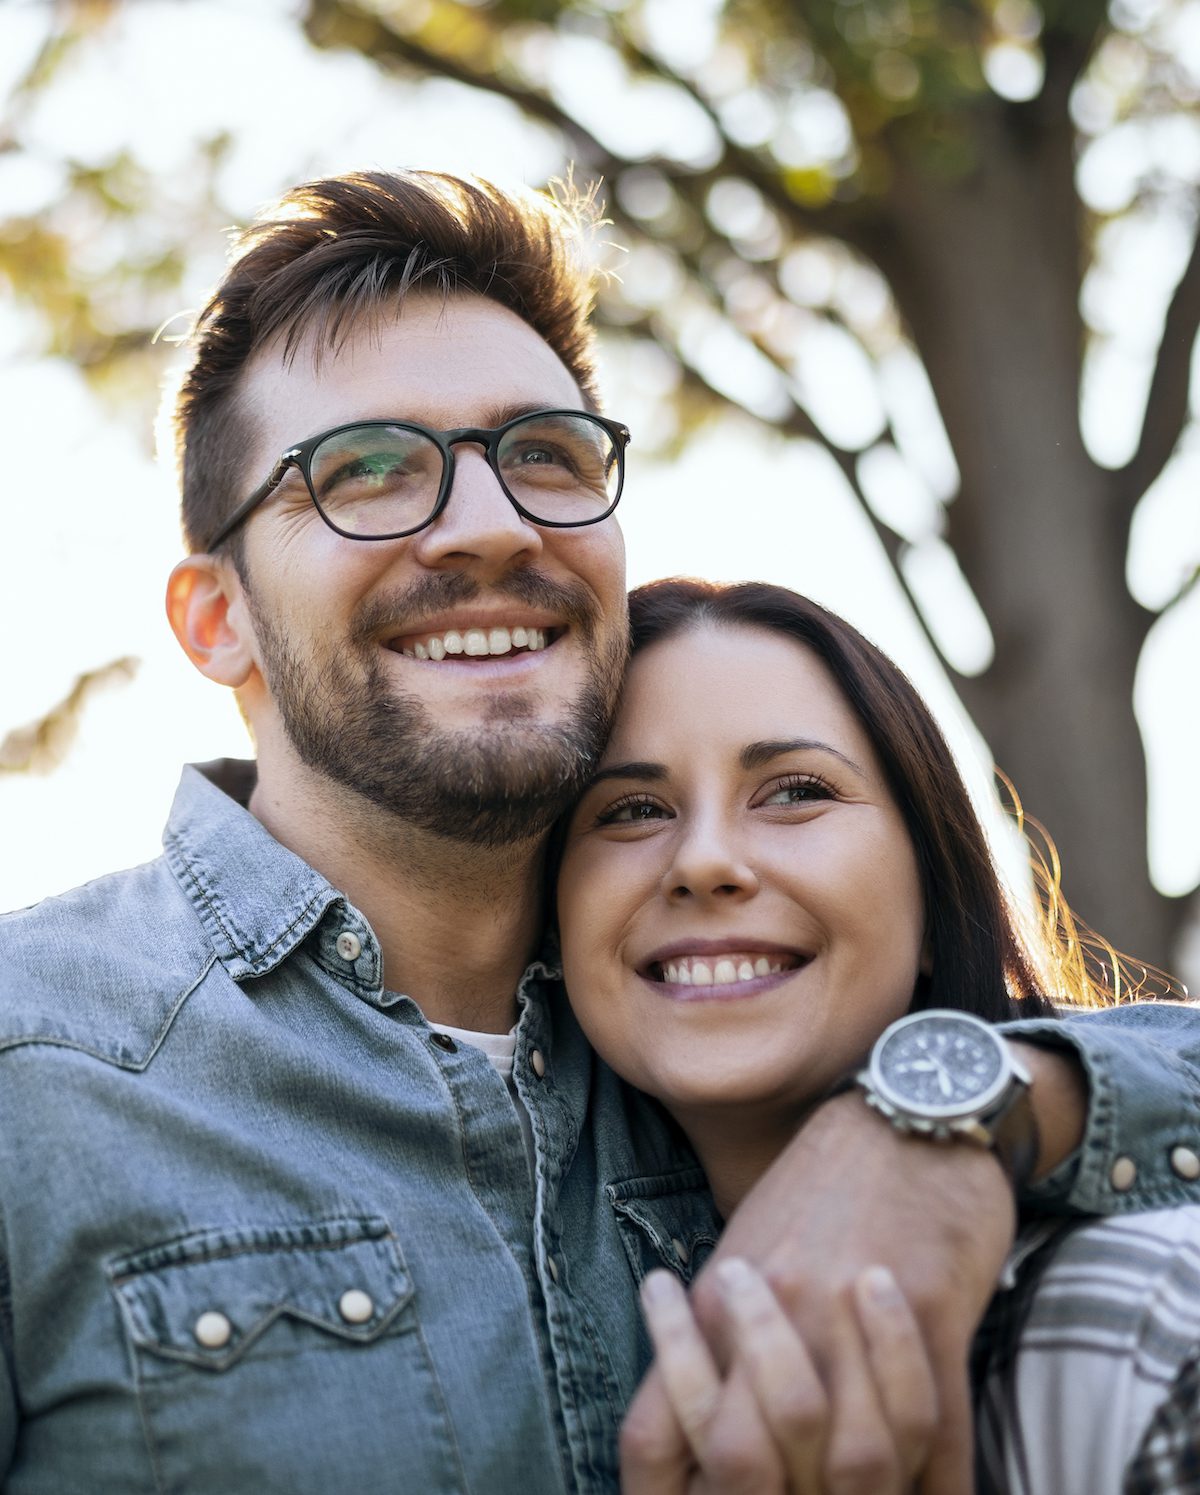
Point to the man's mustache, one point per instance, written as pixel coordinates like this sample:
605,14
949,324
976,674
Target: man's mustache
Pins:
436,592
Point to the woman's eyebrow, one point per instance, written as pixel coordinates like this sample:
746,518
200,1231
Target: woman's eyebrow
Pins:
756,754
633,770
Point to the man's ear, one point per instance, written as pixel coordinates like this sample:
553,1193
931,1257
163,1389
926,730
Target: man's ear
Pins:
206,607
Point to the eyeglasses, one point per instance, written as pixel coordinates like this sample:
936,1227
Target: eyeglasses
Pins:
382,480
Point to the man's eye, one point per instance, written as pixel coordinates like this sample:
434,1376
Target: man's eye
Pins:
635,810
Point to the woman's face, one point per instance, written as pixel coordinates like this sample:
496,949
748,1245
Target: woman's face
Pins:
739,901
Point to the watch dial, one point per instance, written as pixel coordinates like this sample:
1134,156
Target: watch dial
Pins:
940,1062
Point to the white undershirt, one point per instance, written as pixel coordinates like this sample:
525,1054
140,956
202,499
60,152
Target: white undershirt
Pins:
500,1049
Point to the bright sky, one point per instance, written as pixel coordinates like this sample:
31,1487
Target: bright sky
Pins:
90,521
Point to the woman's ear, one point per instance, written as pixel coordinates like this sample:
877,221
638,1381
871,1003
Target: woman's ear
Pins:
206,607
925,965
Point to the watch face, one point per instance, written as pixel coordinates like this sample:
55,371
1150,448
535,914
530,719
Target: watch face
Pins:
940,1062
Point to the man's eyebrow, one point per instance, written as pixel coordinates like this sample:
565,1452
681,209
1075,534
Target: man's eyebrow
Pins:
631,770
756,754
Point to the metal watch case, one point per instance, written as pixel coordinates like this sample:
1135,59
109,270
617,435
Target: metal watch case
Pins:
945,1075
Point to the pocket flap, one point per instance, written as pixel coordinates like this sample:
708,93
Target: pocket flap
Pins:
671,1219
206,1297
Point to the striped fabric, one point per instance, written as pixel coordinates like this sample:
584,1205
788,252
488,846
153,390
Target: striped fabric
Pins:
1087,1370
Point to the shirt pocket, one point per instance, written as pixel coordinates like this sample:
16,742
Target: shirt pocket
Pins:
284,1357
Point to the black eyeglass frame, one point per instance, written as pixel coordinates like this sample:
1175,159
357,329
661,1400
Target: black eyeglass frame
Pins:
300,457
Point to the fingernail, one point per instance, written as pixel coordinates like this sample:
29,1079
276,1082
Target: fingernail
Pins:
735,1275
879,1287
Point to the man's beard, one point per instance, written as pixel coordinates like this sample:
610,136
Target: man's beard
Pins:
495,785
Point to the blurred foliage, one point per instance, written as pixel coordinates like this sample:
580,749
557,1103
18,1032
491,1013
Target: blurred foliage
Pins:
870,177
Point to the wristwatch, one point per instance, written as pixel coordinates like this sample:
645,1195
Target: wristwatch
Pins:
949,1076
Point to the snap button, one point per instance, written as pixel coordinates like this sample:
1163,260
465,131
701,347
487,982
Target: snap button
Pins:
212,1330
538,1063
349,946
444,1041
681,1251
1124,1172
355,1306
1185,1163
552,1268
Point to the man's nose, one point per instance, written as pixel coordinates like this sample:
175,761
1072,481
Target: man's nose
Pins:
708,864
479,528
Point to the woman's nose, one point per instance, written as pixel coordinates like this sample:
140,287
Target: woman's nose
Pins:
708,864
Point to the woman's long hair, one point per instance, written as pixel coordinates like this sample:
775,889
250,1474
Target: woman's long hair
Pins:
983,961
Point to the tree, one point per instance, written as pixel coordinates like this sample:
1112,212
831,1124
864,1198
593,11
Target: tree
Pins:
963,203
922,191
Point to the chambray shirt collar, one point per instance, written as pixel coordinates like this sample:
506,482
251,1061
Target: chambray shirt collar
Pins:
256,899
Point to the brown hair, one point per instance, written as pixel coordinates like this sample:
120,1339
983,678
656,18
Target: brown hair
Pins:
330,252
981,961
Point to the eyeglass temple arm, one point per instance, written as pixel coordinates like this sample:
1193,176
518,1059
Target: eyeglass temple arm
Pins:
247,507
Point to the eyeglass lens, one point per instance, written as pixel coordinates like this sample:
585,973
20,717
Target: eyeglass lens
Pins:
380,479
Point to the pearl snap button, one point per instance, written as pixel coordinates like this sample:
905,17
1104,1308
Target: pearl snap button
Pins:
681,1251
349,946
1185,1163
355,1306
552,1268
212,1330
1124,1172
538,1063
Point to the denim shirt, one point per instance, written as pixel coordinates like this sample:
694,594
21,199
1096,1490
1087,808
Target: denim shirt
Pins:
262,1230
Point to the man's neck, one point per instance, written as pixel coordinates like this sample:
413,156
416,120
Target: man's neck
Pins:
456,923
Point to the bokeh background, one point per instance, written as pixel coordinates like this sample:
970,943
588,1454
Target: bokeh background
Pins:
902,312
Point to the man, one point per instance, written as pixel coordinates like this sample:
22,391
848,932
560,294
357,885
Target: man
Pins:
272,1217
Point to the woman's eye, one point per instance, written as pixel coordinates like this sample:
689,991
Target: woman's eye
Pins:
633,811
798,791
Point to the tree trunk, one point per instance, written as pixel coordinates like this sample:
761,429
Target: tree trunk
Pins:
985,270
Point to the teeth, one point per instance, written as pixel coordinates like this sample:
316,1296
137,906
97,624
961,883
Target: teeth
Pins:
477,643
725,970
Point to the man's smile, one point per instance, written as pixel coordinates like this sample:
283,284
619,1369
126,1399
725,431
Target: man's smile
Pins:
494,641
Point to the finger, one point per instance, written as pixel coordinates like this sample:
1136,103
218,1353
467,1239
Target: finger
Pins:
952,1455
689,1376
899,1365
779,1369
725,1430
861,1456
655,1456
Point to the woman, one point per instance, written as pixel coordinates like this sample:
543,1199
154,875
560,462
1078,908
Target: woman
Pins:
776,860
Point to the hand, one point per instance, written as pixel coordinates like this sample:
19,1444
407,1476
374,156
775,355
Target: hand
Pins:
849,1192
765,1427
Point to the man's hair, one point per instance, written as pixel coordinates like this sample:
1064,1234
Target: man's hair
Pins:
331,252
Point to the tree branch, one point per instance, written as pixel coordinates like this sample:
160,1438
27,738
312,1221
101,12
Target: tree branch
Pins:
331,22
1167,402
1186,590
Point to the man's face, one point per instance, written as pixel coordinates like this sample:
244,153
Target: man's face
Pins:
484,748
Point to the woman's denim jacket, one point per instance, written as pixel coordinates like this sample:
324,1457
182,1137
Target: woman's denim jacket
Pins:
260,1230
